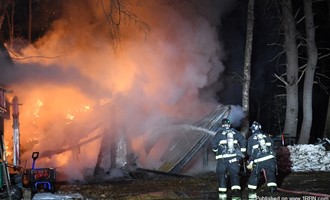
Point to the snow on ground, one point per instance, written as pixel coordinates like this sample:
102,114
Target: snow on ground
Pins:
50,196
310,157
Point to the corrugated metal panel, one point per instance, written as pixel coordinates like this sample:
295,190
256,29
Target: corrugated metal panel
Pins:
179,147
190,139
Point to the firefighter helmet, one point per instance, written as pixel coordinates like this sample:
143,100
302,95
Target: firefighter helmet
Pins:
225,123
255,126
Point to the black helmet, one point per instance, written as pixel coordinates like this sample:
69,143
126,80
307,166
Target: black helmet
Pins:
255,126
225,121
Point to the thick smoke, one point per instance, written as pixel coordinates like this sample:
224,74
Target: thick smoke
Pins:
75,84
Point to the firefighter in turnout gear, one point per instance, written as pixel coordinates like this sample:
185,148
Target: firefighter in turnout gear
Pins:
229,146
262,158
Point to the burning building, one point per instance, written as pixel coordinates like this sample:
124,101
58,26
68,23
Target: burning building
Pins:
83,98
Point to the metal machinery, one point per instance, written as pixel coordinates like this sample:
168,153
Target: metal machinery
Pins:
14,178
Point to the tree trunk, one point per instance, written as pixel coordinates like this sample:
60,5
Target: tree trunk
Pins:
309,74
327,122
291,119
11,24
3,7
30,22
247,68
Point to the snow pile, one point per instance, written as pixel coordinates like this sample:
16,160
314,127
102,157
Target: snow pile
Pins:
50,196
309,157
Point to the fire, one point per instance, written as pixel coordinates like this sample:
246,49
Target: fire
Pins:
69,116
38,105
81,82
8,149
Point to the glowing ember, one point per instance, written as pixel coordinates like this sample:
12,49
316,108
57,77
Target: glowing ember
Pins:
38,105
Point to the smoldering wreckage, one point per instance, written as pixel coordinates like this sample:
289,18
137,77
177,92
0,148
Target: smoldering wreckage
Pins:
190,142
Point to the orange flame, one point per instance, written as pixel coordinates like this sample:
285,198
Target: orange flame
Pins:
83,83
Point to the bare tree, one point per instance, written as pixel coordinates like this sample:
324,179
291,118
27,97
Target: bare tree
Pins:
3,10
327,123
11,24
30,22
117,10
291,82
3,7
247,68
309,73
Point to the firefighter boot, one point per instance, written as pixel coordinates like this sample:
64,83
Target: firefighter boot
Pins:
222,195
252,194
236,194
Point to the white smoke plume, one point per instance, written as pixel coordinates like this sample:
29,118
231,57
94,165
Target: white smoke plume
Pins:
74,84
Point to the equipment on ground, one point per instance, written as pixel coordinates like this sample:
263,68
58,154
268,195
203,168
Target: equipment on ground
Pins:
39,179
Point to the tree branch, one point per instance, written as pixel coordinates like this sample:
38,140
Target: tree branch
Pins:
280,78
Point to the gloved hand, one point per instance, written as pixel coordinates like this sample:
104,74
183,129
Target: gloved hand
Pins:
250,165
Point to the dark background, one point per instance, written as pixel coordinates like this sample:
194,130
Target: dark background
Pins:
266,103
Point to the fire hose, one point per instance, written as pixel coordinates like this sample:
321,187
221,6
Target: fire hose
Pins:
297,192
